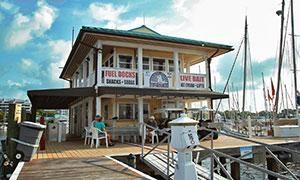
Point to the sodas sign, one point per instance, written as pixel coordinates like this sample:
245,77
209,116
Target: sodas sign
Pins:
119,77
194,81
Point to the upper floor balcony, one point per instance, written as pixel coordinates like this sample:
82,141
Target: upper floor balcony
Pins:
142,68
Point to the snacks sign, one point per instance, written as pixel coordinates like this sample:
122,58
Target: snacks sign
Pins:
119,77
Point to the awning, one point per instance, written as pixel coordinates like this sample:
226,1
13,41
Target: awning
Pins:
57,98
161,92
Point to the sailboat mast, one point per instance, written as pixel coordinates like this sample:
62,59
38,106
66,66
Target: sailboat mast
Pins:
245,64
280,59
294,55
264,89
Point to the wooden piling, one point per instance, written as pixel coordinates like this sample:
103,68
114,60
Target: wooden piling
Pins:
272,165
235,171
14,118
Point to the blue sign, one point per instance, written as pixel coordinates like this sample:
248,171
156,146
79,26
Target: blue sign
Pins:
246,150
159,79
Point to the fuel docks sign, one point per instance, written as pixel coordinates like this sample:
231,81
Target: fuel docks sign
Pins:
119,77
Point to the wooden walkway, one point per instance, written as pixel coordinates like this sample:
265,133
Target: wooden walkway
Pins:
158,162
77,168
76,149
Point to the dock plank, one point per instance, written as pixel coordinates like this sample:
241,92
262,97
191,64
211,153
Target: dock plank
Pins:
77,168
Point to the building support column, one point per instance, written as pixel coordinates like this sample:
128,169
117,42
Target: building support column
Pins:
98,105
140,67
176,68
188,67
99,63
208,74
140,113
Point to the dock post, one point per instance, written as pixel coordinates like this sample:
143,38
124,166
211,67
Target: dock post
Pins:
14,118
249,127
235,171
223,161
272,166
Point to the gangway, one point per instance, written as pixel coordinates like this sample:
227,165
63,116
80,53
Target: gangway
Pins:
164,163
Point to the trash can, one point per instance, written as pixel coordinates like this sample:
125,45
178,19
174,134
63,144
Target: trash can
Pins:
62,129
29,139
52,131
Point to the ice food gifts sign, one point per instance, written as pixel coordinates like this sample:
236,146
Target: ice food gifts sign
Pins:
157,79
119,77
192,81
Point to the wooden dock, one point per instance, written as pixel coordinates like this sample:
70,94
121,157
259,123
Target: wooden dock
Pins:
78,168
159,161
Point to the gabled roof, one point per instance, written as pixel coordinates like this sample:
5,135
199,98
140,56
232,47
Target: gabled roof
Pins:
144,29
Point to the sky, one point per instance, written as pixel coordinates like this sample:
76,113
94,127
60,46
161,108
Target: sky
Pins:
35,37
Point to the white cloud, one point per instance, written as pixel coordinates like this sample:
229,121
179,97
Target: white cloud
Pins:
11,84
106,12
60,50
26,63
8,6
25,28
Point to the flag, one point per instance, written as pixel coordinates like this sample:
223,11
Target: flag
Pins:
273,89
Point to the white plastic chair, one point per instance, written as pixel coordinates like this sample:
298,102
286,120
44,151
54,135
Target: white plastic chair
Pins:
88,133
97,134
154,135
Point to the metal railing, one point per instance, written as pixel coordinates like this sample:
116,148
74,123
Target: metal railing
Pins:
165,139
214,153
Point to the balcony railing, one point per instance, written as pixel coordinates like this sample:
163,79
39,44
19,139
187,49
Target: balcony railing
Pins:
152,79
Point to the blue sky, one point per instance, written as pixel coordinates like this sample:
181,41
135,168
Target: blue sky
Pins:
35,36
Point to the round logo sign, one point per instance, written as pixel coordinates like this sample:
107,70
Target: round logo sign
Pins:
159,79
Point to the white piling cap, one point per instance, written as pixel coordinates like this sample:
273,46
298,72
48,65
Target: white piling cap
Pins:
183,120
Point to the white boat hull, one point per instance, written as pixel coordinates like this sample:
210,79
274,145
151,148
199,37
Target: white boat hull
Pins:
286,131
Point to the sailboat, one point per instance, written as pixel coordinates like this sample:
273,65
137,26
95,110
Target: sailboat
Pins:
286,127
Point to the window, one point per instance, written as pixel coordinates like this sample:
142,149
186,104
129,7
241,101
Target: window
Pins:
126,111
87,67
158,64
146,63
145,111
171,66
105,112
125,61
130,111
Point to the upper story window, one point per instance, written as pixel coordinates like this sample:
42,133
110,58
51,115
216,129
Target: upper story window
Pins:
109,62
146,63
171,66
125,61
159,64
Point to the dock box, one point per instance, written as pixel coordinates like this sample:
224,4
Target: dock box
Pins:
29,138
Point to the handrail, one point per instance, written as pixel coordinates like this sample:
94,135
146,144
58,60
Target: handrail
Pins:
212,153
244,162
253,141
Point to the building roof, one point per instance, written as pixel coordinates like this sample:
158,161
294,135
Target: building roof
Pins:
146,33
140,33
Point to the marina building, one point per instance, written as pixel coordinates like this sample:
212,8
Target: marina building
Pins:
4,105
126,76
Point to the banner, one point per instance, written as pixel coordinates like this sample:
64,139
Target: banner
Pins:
119,77
192,81
158,79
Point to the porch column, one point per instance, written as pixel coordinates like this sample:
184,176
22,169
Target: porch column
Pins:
98,105
208,74
141,114
84,71
140,66
99,64
176,67
188,67
115,58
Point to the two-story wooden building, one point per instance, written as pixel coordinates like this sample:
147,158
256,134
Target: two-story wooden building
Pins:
129,75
